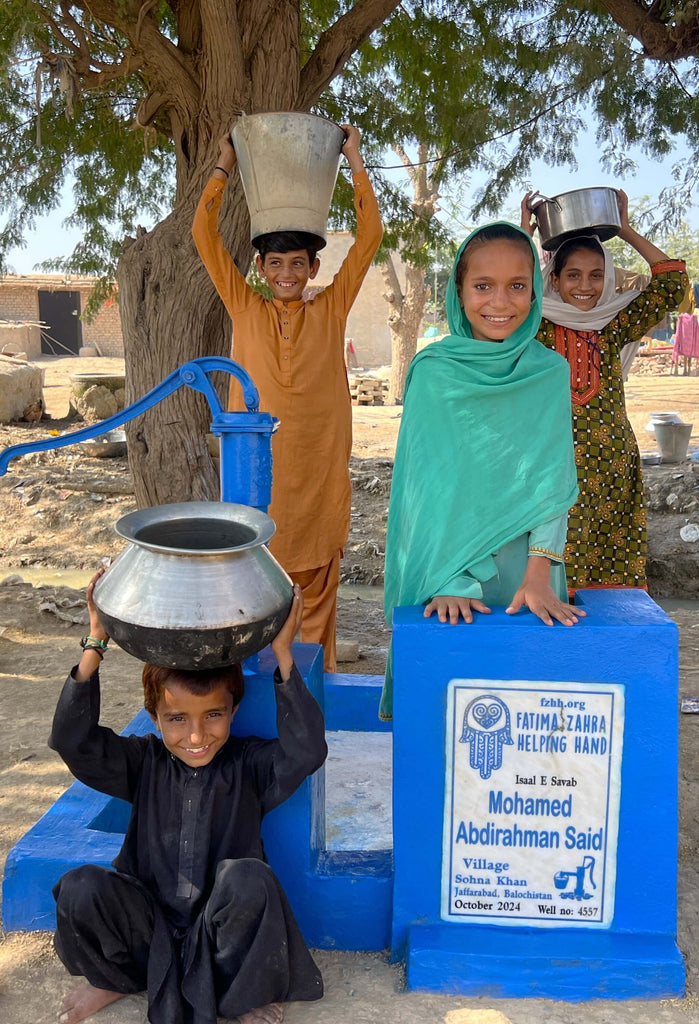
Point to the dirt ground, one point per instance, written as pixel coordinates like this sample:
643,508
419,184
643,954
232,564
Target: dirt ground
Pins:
58,511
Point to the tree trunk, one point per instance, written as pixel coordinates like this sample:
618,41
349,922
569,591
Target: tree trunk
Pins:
404,320
170,311
407,311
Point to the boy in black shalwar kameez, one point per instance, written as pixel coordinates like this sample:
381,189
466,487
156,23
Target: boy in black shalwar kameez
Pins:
192,913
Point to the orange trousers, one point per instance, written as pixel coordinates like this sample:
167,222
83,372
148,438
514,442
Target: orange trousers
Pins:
319,588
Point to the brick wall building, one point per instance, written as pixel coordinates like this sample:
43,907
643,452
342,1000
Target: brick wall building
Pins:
56,302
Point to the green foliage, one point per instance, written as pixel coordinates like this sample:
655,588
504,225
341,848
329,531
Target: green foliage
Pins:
491,87
87,136
481,86
680,242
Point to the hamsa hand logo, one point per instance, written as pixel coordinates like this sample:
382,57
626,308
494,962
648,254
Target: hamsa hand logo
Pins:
487,729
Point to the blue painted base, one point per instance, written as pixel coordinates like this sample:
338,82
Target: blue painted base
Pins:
573,966
625,640
352,703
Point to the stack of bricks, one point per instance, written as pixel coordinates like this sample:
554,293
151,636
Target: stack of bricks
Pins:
367,390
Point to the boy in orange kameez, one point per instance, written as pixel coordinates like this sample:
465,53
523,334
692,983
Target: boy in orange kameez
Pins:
294,352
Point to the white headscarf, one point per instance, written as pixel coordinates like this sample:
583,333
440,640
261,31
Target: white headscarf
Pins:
609,304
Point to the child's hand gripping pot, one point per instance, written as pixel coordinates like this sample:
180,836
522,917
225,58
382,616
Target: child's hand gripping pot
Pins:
281,645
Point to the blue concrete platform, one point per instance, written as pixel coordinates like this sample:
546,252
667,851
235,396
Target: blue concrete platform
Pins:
626,653
549,965
606,895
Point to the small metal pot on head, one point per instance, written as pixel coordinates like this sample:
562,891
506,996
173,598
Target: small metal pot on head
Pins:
196,587
582,211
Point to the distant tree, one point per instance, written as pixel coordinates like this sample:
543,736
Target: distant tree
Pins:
680,242
437,275
414,238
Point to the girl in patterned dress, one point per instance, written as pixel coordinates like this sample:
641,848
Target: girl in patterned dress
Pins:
589,323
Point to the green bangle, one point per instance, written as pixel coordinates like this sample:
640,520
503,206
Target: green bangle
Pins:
93,643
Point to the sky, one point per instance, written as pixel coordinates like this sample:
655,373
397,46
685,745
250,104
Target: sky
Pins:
50,239
650,179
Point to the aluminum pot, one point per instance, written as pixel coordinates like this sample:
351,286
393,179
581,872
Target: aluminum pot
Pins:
106,446
288,163
196,587
582,211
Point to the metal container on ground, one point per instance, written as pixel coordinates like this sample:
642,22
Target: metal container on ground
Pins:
288,163
662,417
673,440
581,211
110,445
196,587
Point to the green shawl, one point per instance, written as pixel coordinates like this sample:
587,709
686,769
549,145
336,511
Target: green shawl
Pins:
484,453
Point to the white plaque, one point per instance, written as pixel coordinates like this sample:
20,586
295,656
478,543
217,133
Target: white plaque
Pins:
531,813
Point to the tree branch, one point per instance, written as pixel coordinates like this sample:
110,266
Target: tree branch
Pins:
58,30
439,168
188,18
394,293
111,72
155,54
660,41
146,8
405,160
337,44
77,28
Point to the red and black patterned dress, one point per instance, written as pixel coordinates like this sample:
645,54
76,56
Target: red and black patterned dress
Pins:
606,545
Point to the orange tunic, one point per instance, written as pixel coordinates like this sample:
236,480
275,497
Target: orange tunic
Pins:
294,352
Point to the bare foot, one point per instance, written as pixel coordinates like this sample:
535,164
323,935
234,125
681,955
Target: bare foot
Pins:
85,1000
273,1013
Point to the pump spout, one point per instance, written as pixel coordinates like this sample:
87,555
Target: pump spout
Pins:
193,375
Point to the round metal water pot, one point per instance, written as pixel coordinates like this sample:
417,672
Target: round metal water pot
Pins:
196,587
288,165
582,211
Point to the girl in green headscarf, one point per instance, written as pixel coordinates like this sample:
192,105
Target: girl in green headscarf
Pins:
484,473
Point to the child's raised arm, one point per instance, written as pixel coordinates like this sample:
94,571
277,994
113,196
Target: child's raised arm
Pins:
281,645
650,253
526,214
93,652
227,159
350,148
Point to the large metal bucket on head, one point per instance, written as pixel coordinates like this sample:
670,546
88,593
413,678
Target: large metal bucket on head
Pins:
288,165
582,211
196,587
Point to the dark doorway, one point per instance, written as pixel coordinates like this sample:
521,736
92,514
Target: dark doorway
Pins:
62,332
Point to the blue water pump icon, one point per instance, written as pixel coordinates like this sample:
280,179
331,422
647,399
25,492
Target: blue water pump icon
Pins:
561,879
